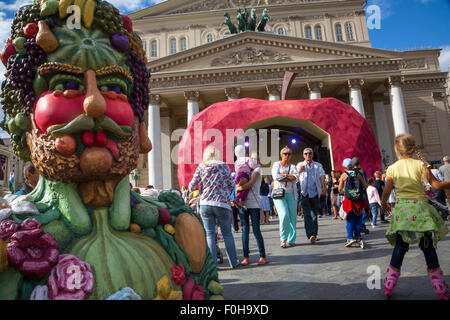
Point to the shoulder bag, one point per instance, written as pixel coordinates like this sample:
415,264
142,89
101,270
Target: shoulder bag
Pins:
278,193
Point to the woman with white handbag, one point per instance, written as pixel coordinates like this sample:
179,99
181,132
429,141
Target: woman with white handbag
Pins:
284,196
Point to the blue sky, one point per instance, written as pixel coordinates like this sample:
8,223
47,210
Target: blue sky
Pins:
413,24
404,24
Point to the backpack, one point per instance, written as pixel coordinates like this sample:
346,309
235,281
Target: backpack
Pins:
353,188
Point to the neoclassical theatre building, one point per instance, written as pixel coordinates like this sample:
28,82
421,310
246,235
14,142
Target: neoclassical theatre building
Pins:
196,62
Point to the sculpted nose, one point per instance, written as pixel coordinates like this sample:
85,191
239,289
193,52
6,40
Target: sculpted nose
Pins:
94,104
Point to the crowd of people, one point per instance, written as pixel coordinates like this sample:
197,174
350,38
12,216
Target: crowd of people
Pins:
410,195
406,195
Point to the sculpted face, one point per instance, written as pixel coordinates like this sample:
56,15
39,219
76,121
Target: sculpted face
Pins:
82,93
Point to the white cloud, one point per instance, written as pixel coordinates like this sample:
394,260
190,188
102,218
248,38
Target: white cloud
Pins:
14,6
5,30
133,5
444,58
386,9
426,1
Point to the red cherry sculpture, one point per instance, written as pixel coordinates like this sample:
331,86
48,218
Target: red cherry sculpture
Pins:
100,139
88,138
127,24
30,30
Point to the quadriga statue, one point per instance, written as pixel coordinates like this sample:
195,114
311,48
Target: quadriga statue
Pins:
74,98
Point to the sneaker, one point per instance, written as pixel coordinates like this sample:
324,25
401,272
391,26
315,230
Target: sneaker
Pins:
350,242
374,226
312,239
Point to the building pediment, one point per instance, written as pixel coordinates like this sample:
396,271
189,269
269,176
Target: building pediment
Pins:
171,7
253,49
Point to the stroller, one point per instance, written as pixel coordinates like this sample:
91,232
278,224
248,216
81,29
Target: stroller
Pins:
443,210
194,205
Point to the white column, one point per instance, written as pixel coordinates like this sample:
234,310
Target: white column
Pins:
193,98
383,135
398,105
274,91
155,176
232,93
314,89
165,150
442,120
356,99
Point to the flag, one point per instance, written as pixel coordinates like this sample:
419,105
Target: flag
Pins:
11,182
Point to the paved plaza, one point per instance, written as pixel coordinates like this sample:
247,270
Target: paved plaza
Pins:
326,270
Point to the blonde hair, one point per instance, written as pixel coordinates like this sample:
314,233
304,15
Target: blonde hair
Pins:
405,145
211,153
286,148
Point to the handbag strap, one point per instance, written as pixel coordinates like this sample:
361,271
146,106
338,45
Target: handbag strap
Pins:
257,200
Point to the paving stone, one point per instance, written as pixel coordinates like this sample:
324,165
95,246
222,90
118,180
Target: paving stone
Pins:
326,270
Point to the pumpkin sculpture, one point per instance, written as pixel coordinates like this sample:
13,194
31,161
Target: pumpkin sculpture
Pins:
74,100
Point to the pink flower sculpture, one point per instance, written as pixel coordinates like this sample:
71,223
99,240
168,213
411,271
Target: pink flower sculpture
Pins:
32,252
178,276
8,228
30,224
70,279
191,291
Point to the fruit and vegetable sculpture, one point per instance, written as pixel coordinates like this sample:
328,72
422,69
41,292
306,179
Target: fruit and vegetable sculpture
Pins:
74,101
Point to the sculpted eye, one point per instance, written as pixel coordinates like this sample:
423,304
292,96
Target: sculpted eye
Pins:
71,85
116,89
62,82
113,83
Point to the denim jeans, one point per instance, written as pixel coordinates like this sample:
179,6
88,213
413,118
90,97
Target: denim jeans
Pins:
311,209
287,213
245,223
374,208
353,225
209,215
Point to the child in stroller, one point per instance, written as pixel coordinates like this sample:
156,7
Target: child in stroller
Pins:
442,209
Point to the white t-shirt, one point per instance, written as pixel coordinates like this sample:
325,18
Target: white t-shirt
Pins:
251,201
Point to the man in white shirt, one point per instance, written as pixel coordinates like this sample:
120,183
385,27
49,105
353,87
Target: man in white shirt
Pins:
312,184
445,174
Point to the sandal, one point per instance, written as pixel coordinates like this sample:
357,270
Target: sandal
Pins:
262,261
292,245
283,244
244,262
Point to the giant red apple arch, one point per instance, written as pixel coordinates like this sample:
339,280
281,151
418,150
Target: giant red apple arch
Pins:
350,134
